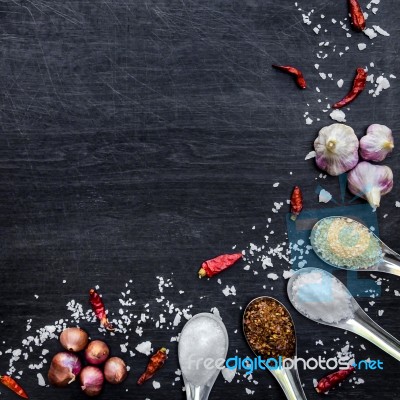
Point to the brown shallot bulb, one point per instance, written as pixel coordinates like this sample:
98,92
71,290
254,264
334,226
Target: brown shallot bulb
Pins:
97,352
74,339
115,370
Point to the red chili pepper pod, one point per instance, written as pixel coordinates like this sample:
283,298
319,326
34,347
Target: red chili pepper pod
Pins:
296,203
330,381
9,382
156,361
99,309
301,82
357,15
218,264
359,83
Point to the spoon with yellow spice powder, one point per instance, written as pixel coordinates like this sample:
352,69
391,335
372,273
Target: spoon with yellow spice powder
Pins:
347,244
269,331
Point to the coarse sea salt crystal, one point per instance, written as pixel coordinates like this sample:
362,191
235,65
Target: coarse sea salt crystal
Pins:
144,348
324,196
309,121
156,385
361,46
272,276
370,33
340,83
41,381
397,204
276,184
310,155
228,374
380,30
338,115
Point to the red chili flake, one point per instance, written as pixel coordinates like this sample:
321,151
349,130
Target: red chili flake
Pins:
357,15
330,381
359,83
156,361
99,309
9,382
301,82
218,264
296,203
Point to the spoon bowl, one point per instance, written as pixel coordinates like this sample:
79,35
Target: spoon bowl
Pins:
288,378
345,243
204,340
354,318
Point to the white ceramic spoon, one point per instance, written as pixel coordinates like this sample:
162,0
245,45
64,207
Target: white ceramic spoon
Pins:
201,333
358,322
389,260
288,378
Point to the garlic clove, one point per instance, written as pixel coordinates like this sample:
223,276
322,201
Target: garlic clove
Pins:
377,143
370,182
336,149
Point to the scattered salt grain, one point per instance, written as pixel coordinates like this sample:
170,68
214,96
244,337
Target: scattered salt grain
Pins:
310,155
156,385
276,184
41,381
338,115
380,30
324,196
397,204
272,276
380,312
228,374
144,348
309,121
340,83
361,46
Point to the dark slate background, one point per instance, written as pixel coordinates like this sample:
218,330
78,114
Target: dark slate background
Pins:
140,138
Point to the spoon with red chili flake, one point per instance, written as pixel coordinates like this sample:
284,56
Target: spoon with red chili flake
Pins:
270,333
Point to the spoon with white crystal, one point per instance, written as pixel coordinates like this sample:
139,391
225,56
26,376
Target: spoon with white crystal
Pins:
345,243
202,350
321,297
287,377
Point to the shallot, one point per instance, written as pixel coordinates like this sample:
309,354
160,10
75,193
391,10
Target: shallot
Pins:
64,368
115,370
74,339
91,380
97,352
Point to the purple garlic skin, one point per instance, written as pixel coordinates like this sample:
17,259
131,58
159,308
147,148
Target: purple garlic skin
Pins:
336,149
377,143
370,182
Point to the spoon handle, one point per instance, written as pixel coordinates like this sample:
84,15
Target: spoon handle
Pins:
289,380
390,264
364,326
197,392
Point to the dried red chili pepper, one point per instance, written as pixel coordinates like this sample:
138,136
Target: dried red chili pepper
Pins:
218,264
296,203
330,381
156,361
301,82
357,15
359,83
99,309
9,382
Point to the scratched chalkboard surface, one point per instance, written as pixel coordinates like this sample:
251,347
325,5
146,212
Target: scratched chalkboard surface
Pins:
140,138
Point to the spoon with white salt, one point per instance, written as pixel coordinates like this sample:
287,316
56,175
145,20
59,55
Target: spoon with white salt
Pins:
321,297
347,244
270,333
202,350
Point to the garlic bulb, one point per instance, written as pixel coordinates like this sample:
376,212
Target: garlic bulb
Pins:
336,149
377,143
370,182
